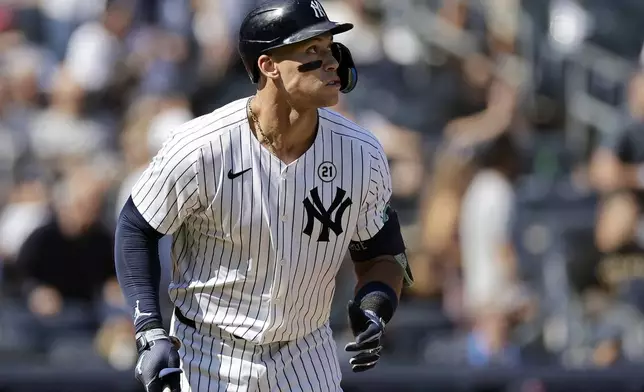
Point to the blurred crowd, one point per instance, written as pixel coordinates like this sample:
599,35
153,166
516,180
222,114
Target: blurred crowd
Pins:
514,131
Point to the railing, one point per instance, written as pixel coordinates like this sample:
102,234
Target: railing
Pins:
584,109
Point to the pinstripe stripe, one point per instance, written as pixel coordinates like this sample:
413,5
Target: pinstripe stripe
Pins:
277,278
307,296
255,376
247,244
188,244
282,245
329,357
306,367
254,295
208,256
274,369
186,277
328,279
312,365
285,371
315,289
230,365
323,361
233,195
327,276
221,200
192,338
266,279
269,372
201,278
230,196
304,266
295,359
244,351
292,279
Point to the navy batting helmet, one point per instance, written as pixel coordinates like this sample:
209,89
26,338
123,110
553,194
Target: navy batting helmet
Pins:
278,23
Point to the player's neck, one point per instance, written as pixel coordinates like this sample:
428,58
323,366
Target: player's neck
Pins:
286,131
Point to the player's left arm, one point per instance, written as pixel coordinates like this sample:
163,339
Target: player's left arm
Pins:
380,263
378,252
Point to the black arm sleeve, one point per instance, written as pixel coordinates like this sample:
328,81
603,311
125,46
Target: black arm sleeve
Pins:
137,266
388,241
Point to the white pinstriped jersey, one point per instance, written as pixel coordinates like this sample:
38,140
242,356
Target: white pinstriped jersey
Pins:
257,243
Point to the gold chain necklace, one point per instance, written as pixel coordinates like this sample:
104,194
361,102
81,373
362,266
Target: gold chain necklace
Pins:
265,140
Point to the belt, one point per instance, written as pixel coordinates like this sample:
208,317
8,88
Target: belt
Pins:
184,320
191,323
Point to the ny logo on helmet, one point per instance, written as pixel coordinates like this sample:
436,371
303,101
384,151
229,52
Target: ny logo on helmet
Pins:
317,8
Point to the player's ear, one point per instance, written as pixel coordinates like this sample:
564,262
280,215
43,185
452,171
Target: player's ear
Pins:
267,66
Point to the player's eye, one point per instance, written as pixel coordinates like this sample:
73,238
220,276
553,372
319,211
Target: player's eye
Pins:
312,50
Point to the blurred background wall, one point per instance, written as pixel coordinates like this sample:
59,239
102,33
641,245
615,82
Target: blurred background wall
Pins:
515,136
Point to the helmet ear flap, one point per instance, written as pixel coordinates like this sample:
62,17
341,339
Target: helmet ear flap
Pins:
347,71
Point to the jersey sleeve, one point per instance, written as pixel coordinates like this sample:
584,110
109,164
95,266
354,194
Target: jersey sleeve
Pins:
168,191
372,211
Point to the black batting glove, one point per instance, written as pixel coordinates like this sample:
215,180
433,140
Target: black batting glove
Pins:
158,366
367,328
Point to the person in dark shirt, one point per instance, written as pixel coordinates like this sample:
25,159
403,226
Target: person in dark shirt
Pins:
70,258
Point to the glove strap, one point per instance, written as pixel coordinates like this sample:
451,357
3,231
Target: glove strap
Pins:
143,339
375,318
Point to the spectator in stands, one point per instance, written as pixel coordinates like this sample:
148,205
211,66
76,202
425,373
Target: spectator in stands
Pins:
488,261
69,259
215,27
26,67
64,134
26,210
96,47
61,17
617,173
436,263
492,296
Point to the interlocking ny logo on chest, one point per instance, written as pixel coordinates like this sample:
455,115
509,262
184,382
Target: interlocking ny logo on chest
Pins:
329,218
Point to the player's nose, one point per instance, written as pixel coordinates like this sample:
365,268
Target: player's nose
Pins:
330,63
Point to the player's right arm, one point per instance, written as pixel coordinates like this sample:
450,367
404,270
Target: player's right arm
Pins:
165,195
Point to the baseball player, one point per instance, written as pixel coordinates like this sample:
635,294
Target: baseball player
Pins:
263,197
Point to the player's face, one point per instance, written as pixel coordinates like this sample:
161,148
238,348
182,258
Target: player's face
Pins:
308,72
